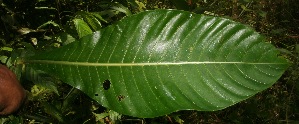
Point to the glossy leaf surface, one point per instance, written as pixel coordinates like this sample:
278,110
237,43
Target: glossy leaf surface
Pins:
161,61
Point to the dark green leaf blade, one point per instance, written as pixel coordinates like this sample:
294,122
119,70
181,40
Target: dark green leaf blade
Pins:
158,62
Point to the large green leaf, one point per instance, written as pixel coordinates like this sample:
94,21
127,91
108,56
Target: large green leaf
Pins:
162,61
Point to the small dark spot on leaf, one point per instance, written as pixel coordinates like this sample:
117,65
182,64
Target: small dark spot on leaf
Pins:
121,97
106,84
96,94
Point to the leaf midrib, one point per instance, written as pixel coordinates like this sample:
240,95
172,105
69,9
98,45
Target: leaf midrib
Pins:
141,64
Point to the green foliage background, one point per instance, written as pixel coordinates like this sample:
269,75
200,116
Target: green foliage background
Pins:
44,25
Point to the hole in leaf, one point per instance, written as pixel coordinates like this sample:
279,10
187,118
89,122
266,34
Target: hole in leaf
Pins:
106,84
